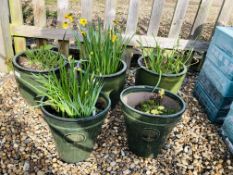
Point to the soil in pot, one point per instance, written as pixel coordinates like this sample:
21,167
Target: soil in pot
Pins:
40,60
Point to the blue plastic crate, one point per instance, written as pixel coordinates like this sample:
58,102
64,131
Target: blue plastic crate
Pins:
215,96
223,38
227,126
215,115
223,61
219,80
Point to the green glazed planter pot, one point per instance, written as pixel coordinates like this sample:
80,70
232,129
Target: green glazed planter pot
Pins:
147,133
24,77
75,138
114,83
171,82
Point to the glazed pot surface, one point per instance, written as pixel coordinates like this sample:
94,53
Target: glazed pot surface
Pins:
148,133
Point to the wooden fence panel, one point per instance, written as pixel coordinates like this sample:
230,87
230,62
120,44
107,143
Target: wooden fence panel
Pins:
86,9
155,17
146,41
132,21
17,18
110,13
63,8
6,49
201,18
226,12
39,12
178,18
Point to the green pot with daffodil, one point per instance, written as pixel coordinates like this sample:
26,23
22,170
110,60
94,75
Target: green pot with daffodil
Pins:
103,51
150,115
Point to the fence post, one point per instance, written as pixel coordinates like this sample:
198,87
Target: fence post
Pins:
6,49
17,18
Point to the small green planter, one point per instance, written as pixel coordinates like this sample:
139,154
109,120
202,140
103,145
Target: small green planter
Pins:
171,82
24,77
75,138
147,133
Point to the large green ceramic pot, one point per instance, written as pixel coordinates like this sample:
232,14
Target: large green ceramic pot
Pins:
147,133
75,138
171,82
114,83
24,77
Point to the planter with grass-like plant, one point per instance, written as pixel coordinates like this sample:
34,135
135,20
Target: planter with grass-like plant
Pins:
150,115
103,50
74,108
167,69
35,61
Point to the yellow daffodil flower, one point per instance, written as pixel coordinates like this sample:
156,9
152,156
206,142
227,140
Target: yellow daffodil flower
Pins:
114,38
69,17
83,33
83,21
65,25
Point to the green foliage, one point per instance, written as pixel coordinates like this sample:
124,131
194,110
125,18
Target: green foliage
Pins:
154,105
74,93
165,61
43,57
102,48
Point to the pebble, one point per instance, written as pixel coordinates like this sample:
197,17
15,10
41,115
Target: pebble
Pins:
27,146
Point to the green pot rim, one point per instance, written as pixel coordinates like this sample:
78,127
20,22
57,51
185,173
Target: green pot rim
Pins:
93,117
149,89
18,66
164,75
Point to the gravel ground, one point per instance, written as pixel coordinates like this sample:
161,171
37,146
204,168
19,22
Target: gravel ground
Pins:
27,147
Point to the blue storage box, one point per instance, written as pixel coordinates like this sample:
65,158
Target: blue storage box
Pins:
222,83
215,96
223,38
227,126
215,115
223,61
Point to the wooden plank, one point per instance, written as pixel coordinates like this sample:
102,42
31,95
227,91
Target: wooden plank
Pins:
201,18
147,41
86,9
226,12
155,19
132,20
39,12
178,18
62,9
110,13
17,18
6,49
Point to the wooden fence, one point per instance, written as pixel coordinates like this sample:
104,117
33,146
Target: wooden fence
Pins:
13,32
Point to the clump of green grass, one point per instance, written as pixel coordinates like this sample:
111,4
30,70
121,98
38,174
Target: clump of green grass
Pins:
102,48
73,93
43,58
165,61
